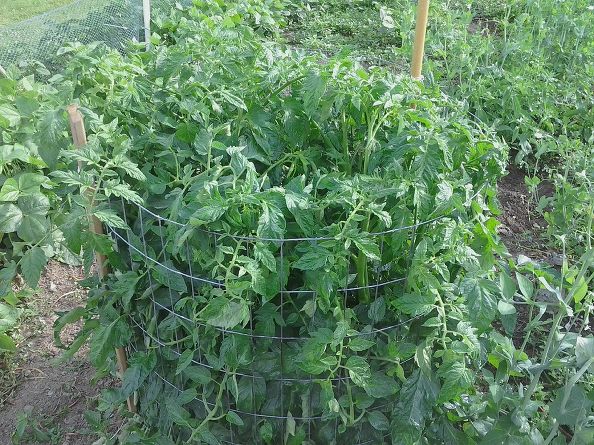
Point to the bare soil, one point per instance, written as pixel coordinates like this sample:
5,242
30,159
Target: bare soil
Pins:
522,229
55,395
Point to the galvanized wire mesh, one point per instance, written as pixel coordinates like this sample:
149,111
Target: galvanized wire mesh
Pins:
146,243
113,22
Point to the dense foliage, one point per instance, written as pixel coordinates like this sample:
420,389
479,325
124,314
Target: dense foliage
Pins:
288,180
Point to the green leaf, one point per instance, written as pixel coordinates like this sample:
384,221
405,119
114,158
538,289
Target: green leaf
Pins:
169,276
378,420
9,116
313,89
33,228
359,370
415,304
10,218
9,191
233,418
377,310
578,405
7,275
36,204
416,400
316,257
140,367
225,313
480,300
49,132
121,191
359,344
106,337
526,286
272,223
506,308
8,317
110,219
32,264
208,213
6,343
457,379
508,286
184,361
265,257
65,319
584,351
369,248
381,386
197,374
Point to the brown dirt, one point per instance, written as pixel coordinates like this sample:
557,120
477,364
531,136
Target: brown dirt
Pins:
55,394
522,229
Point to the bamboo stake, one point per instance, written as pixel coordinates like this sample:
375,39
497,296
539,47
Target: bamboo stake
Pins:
419,45
146,9
79,136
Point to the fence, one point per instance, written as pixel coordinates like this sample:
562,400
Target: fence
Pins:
272,384
113,22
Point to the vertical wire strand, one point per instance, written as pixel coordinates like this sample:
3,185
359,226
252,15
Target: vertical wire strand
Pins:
166,261
152,288
282,307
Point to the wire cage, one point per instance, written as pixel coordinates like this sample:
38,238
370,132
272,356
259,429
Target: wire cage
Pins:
267,380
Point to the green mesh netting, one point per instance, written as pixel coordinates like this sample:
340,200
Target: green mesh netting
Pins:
111,21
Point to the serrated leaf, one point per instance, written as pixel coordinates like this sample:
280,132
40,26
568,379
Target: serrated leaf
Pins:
32,264
110,218
271,224
415,304
457,379
224,313
121,191
208,213
480,300
377,310
265,257
313,89
416,400
10,218
369,248
9,116
315,258
359,370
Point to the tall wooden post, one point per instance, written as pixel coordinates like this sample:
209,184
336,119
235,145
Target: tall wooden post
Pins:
79,137
146,14
419,45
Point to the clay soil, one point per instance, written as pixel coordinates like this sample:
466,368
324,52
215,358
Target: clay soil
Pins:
46,395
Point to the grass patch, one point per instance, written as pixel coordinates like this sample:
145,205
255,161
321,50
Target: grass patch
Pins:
16,10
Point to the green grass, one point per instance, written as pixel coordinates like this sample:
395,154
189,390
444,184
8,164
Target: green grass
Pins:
17,10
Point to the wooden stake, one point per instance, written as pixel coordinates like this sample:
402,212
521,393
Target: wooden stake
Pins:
79,136
146,10
419,46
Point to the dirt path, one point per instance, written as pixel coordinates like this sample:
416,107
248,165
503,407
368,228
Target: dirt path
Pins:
55,395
